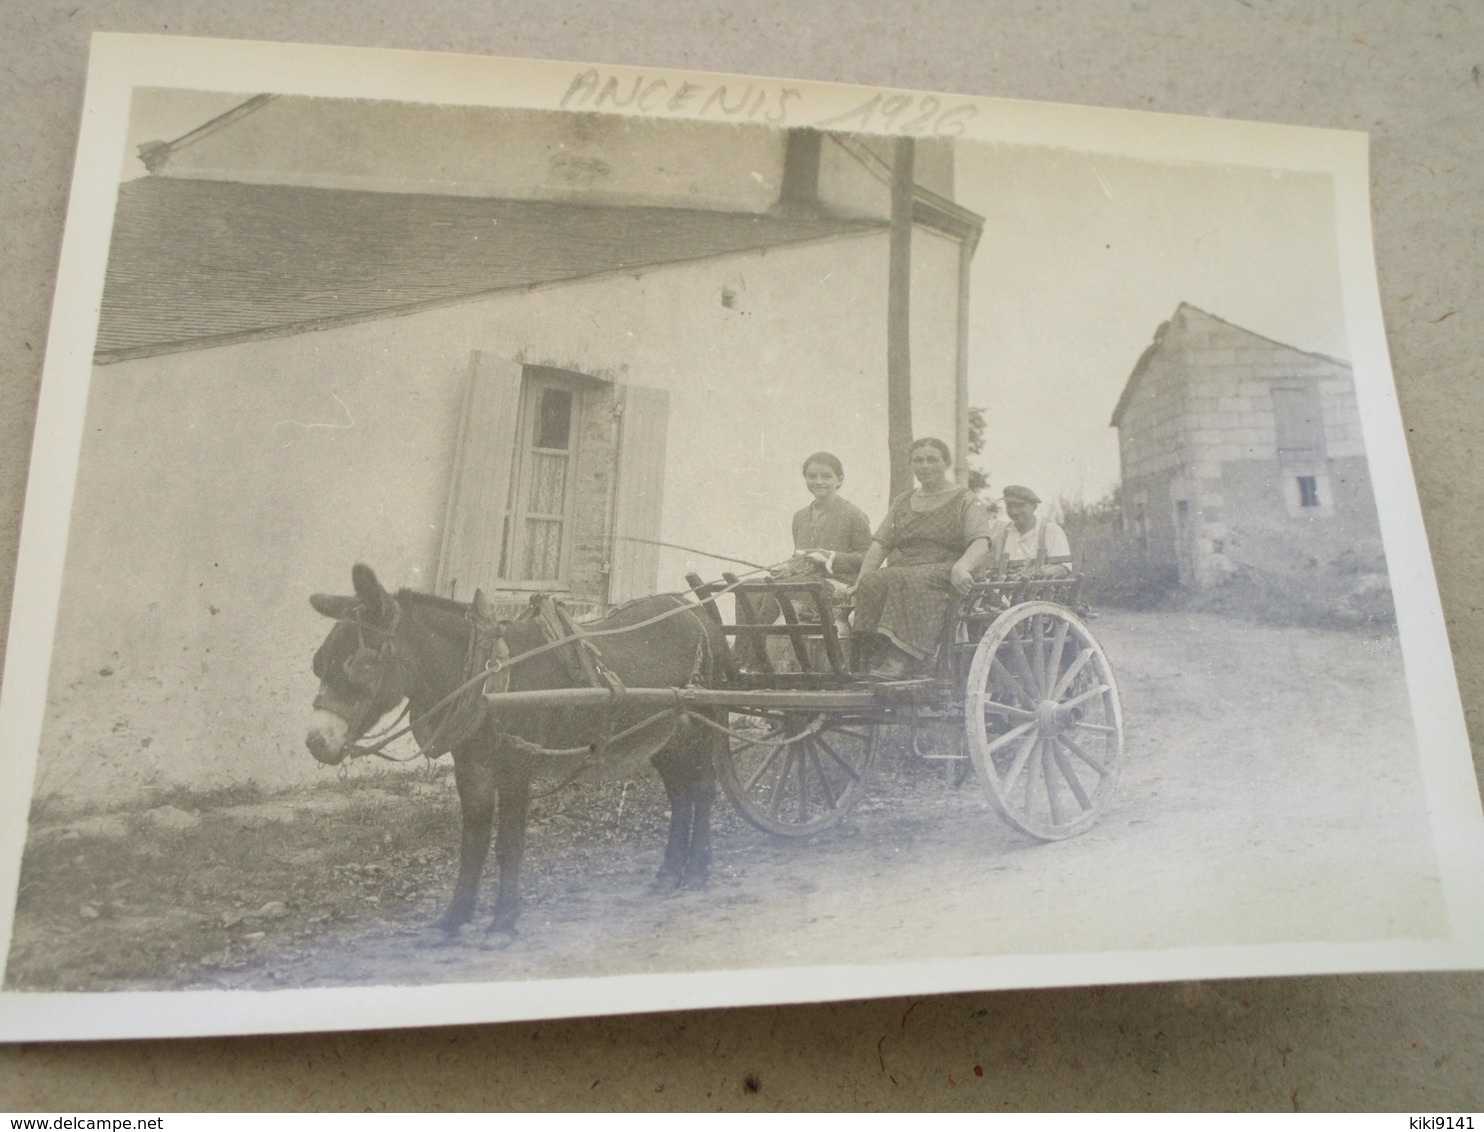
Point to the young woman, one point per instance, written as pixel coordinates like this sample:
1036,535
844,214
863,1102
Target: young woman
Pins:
831,537
831,534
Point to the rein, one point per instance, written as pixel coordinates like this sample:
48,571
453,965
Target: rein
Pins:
496,665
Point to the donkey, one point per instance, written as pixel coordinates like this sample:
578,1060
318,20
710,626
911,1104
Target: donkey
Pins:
387,648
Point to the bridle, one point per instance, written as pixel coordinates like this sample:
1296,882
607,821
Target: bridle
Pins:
487,658
386,659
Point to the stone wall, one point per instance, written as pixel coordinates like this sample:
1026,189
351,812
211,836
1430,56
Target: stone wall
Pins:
1200,438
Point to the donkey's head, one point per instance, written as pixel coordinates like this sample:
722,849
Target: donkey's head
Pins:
361,675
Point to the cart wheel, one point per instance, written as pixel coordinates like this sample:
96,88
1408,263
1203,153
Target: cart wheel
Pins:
1044,721
795,773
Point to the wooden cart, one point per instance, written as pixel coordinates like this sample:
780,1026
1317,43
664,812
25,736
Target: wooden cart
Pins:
1020,692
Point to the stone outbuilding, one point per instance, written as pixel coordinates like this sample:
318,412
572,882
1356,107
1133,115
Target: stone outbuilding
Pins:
1242,455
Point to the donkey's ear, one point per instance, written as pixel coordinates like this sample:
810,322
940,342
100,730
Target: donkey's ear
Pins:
371,592
330,606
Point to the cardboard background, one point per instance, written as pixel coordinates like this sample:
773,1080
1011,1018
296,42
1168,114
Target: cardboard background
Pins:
1408,74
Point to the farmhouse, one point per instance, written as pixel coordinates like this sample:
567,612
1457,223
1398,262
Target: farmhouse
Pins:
1241,454
471,347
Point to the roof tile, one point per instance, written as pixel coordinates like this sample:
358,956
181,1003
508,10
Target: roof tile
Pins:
197,263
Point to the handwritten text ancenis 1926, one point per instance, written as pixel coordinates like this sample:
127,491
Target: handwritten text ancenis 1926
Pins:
760,101
657,94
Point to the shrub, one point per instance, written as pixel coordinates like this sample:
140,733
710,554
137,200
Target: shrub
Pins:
1116,572
1349,592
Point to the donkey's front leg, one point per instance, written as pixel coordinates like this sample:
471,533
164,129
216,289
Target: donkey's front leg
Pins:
677,844
690,785
703,793
514,781
474,774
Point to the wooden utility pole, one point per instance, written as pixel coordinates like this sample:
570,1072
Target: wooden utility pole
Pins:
898,320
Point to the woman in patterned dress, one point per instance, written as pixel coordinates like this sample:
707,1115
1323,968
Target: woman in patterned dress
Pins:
926,549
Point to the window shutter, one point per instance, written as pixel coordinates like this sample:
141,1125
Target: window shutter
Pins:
474,523
634,566
1299,423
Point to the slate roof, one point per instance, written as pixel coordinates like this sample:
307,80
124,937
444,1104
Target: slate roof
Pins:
201,263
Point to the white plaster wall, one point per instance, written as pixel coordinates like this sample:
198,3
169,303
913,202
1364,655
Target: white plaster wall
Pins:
218,488
934,332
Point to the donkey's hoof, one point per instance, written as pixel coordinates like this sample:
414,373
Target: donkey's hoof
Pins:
499,939
665,882
437,935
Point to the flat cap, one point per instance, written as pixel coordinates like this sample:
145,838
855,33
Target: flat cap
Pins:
1024,494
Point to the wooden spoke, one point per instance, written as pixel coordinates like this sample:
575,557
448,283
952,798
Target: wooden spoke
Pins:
773,756
824,782
1071,674
1053,660
1077,749
776,798
1027,749
841,763
1096,728
1058,815
1036,653
1035,776
1022,665
1008,678
1009,736
1057,650
1069,775
1007,709
801,769
805,785
1084,697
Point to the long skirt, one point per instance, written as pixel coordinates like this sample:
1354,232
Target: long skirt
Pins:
907,605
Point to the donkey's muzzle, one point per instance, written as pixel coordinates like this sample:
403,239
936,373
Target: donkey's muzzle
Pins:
327,738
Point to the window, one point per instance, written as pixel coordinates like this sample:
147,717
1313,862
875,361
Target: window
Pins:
1308,487
536,525
1298,423
557,481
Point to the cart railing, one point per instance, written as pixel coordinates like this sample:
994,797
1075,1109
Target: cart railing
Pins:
808,622
825,656
974,612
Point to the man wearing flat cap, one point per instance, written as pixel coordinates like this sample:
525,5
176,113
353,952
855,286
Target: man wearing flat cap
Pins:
1027,545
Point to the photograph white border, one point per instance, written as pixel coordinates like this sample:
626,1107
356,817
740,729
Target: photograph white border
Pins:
121,63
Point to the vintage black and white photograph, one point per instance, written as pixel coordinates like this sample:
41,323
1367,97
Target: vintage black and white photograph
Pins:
519,527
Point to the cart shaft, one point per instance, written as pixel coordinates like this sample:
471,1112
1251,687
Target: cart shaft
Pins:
842,700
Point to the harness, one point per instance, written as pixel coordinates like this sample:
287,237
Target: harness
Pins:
487,665
385,653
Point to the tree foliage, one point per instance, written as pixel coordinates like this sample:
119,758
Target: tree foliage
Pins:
978,477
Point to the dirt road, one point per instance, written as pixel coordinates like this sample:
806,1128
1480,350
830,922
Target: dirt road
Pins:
1271,793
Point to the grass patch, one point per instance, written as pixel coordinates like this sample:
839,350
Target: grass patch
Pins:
153,907
164,907
1322,600
194,800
